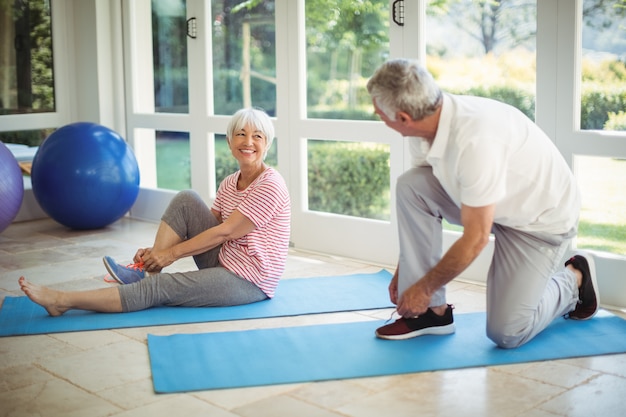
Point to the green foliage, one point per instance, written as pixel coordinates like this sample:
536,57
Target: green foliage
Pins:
26,137
355,114
617,121
598,101
348,178
523,100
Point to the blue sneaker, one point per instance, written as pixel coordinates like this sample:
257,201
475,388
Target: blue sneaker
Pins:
124,274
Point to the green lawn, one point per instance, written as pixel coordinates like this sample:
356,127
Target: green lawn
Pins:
603,216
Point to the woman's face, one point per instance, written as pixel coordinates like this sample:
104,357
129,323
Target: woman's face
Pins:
248,146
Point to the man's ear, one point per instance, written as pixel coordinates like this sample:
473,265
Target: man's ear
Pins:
403,117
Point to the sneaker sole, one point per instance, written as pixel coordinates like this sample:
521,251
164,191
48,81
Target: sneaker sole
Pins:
110,270
438,331
594,282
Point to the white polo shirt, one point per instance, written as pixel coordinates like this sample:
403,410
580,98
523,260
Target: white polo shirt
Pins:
488,152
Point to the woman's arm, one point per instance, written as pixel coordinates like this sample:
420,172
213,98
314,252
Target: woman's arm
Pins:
237,225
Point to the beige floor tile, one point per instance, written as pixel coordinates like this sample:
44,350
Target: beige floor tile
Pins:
283,406
54,398
602,396
230,399
537,412
102,367
331,394
52,270
90,340
610,364
22,376
133,394
179,405
470,392
557,373
23,350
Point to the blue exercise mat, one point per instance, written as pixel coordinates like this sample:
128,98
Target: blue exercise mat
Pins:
191,362
20,316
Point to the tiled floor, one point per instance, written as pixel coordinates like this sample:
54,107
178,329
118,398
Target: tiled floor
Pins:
106,373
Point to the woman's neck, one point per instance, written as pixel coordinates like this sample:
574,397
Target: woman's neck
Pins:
248,175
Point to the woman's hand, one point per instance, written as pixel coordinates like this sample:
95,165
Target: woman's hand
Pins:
154,260
138,258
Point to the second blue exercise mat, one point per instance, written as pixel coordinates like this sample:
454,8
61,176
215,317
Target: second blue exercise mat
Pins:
20,316
190,362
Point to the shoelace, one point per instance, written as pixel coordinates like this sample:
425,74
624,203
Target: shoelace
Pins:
136,266
395,310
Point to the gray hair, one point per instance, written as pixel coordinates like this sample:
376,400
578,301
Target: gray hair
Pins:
252,117
404,85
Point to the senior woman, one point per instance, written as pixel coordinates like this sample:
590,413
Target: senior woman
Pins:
239,245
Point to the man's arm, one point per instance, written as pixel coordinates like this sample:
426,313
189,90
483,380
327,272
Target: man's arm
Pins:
477,223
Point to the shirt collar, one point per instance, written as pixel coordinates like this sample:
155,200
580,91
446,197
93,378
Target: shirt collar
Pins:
440,142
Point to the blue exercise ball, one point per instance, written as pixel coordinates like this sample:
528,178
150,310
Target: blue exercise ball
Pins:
11,187
85,176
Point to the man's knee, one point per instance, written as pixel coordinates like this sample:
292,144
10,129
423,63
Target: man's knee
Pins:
412,181
508,336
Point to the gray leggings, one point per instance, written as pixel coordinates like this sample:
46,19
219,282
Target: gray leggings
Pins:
210,286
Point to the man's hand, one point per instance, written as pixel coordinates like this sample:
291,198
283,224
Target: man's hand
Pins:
413,302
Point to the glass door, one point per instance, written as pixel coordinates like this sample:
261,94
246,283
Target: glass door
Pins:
343,160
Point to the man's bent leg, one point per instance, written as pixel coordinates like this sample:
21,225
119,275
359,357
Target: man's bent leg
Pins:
525,293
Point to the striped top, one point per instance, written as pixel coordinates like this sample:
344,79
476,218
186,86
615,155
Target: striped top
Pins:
259,256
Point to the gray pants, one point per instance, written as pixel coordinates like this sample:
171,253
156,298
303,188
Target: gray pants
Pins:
210,286
526,287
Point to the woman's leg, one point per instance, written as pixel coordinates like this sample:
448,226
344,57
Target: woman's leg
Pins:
103,300
187,216
208,287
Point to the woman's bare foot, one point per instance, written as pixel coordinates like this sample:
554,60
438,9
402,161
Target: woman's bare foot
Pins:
45,297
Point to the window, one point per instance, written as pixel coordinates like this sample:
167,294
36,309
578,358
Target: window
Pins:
169,52
601,172
173,161
484,48
603,215
244,56
603,95
26,74
349,178
346,42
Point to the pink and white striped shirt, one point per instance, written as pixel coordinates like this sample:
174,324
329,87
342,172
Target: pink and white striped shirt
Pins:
259,256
